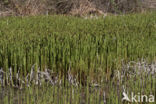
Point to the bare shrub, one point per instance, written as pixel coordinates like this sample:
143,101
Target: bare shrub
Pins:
26,7
59,6
29,7
64,6
128,5
117,6
73,7
4,9
85,7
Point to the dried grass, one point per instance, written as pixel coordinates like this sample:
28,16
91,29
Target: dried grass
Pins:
85,8
72,7
30,7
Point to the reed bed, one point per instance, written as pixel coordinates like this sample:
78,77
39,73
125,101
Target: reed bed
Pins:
86,48
77,57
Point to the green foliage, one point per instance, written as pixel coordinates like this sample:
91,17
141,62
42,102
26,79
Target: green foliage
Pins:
60,42
88,47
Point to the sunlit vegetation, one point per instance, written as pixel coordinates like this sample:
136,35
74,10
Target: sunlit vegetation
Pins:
87,51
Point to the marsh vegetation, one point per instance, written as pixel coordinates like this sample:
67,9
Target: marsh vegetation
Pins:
64,59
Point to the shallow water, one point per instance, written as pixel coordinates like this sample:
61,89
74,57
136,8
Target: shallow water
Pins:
142,81
108,93
51,95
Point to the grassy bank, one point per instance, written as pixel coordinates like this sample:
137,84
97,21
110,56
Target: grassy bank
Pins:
86,48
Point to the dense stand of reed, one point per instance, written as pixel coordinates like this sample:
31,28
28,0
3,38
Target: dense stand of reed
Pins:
89,49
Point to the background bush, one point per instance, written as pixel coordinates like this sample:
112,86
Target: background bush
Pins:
35,7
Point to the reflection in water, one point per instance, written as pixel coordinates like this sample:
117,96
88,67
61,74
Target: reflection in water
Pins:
51,95
109,92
